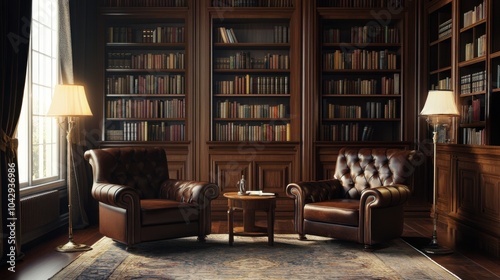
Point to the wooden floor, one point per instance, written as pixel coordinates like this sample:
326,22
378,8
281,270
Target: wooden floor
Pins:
41,261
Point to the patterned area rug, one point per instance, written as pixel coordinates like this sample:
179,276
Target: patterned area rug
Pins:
252,258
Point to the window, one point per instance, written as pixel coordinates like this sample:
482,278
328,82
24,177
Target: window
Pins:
40,157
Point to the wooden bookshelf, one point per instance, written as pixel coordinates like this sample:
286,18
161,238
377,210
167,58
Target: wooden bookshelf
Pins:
146,81
471,84
360,72
494,76
253,90
147,77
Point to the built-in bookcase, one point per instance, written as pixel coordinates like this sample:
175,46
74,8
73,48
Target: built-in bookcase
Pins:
360,65
440,54
253,89
440,23
252,85
494,66
146,86
472,80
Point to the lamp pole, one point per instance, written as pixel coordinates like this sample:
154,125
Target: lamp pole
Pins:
433,247
70,246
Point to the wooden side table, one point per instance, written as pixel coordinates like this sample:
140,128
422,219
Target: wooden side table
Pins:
249,204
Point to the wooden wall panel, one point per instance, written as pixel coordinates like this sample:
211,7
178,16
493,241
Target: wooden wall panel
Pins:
474,209
265,169
444,192
490,196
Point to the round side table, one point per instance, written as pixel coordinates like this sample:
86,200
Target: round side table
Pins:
249,204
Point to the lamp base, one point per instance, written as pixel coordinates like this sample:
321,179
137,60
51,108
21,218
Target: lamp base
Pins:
72,247
436,249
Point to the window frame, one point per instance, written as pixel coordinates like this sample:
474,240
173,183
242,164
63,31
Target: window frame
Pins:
32,186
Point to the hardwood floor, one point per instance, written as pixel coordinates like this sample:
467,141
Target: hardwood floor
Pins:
41,261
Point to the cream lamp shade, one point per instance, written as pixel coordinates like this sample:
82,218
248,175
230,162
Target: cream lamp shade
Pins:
440,102
70,101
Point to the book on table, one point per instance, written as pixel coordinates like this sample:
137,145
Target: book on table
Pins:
260,192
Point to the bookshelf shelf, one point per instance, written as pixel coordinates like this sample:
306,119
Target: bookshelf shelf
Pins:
472,61
362,119
364,96
147,45
440,40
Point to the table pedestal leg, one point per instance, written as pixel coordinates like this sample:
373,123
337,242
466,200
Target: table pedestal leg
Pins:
230,224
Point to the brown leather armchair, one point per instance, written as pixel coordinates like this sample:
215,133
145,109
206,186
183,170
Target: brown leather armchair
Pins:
138,202
363,203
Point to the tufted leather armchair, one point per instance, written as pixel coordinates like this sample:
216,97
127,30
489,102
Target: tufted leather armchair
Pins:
138,202
363,203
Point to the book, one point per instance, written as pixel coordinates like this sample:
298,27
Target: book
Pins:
260,193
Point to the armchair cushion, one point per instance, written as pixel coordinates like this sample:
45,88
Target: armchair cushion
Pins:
337,211
162,211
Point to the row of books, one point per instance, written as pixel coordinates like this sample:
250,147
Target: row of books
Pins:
476,14
145,84
444,29
253,34
474,82
471,112
496,83
394,4
147,131
476,49
244,60
252,3
444,83
145,3
160,34
251,132
346,132
373,110
363,34
253,85
473,136
121,60
360,60
145,108
235,110
226,35
386,85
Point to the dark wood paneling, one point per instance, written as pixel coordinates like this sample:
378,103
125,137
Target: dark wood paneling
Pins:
473,208
266,167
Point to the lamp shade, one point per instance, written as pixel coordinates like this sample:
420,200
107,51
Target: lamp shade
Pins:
440,102
70,101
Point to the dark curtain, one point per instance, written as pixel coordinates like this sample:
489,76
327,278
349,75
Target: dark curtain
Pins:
16,21
82,15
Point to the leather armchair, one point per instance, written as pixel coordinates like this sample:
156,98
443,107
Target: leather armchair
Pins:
363,203
138,202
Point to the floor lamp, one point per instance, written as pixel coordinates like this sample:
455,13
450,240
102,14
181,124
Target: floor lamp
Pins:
69,101
439,108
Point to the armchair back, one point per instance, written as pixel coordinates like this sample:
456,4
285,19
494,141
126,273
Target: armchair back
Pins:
360,169
139,168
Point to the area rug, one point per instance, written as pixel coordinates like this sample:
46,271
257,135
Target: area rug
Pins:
252,258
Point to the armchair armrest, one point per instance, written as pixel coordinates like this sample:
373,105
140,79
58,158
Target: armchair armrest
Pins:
116,195
197,192
312,191
189,191
385,196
